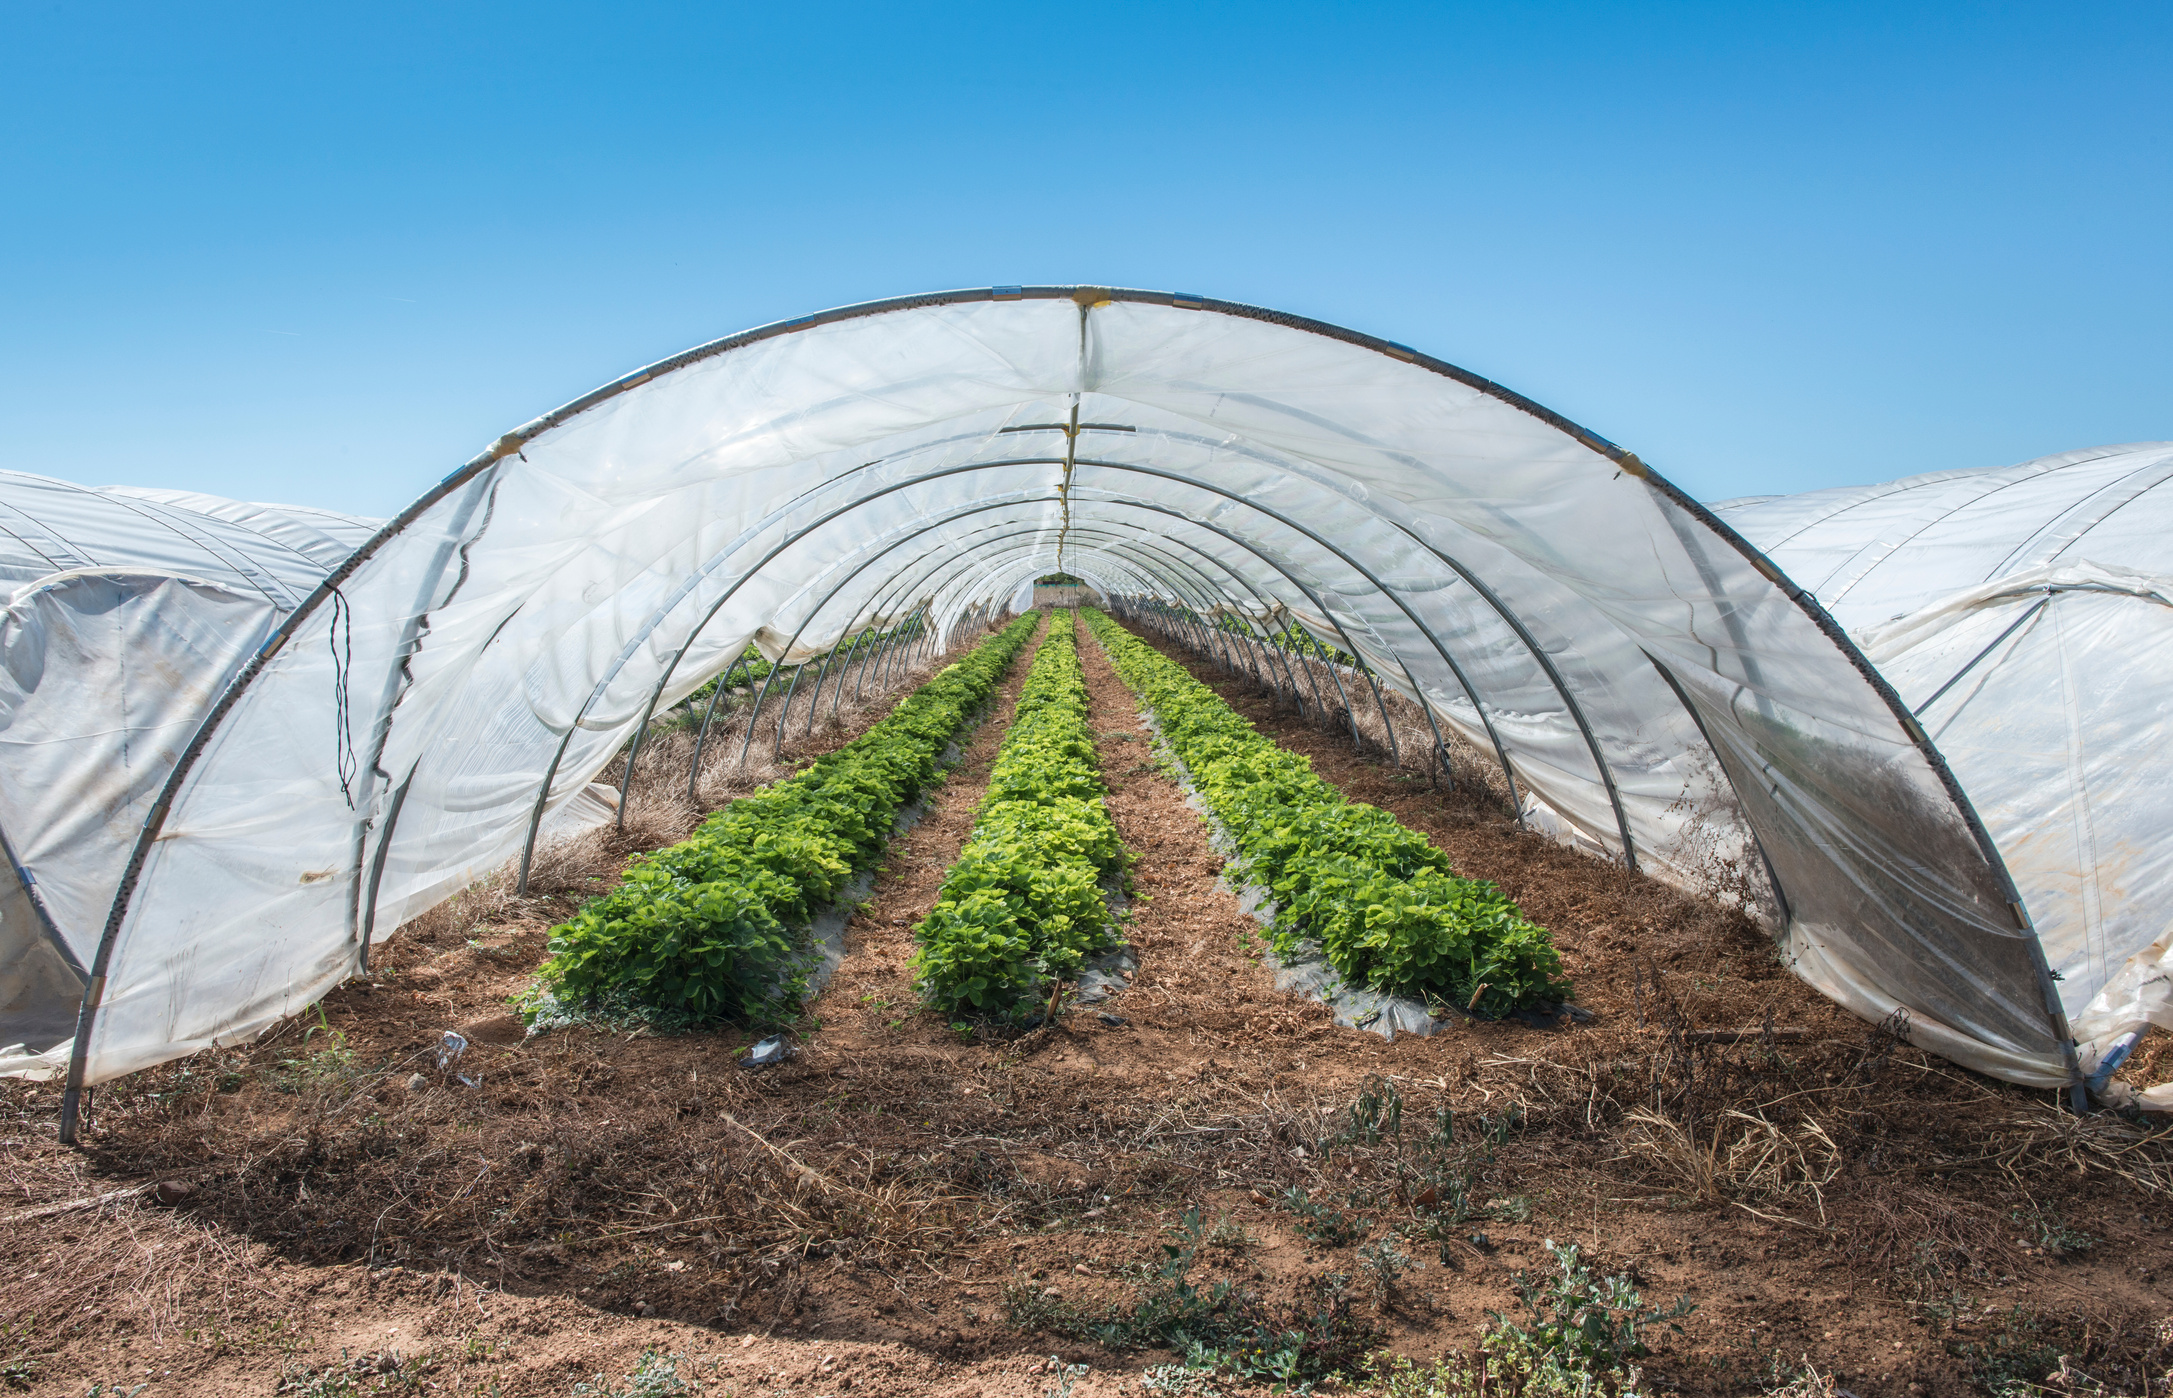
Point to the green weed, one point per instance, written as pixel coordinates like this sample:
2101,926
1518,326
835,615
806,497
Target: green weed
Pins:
330,1064
1438,1168
655,1376
1384,1264
1323,1223
379,1372
20,1366
1229,1234
1595,1323
1216,1328
2047,1230
1504,1365
1578,1339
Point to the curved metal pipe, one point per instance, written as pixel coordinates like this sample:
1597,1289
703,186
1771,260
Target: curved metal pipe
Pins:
952,518
887,589
809,619
1561,687
1206,587
1501,752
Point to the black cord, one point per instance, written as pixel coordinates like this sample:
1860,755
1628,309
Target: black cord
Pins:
340,636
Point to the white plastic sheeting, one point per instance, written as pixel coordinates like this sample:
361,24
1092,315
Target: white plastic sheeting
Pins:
2026,614
279,552
1539,589
128,611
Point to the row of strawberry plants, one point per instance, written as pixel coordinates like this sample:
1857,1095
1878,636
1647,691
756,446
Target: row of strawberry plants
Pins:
710,928
1023,905
1385,905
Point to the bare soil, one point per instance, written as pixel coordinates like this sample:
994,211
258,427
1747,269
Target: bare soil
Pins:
869,1215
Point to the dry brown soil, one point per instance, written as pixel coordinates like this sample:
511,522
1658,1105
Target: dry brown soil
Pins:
850,1221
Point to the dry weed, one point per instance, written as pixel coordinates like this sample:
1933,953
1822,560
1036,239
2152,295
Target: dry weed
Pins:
2142,1155
1741,1155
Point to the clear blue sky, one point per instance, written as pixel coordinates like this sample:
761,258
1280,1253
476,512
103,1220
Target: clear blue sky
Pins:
322,253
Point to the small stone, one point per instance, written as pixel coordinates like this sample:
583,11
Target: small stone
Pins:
172,1192
1081,1269
417,1083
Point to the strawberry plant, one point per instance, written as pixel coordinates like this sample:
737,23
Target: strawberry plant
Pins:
1023,904
1385,905
711,928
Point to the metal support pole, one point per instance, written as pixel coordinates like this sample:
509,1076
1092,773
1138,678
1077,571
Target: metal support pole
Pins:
838,693
1561,687
709,711
633,752
1305,663
377,867
814,696
860,680
784,711
754,715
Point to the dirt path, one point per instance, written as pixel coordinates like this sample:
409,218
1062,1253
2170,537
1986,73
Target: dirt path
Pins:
869,1005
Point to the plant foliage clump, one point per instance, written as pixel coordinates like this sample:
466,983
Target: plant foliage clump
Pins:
1581,1339
1023,905
709,928
1385,905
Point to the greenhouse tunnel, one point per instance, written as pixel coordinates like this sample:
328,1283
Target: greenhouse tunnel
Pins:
1646,680
130,612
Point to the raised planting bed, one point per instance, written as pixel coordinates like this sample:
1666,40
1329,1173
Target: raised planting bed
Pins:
1024,904
715,927
1384,905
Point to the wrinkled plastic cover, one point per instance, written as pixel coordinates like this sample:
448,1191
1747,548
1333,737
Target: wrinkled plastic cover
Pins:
130,610
919,456
104,677
108,666
279,552
2027,612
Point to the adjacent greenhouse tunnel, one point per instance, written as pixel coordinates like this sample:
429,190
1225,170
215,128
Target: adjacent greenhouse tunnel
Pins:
1652,686
130,611
2025,614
